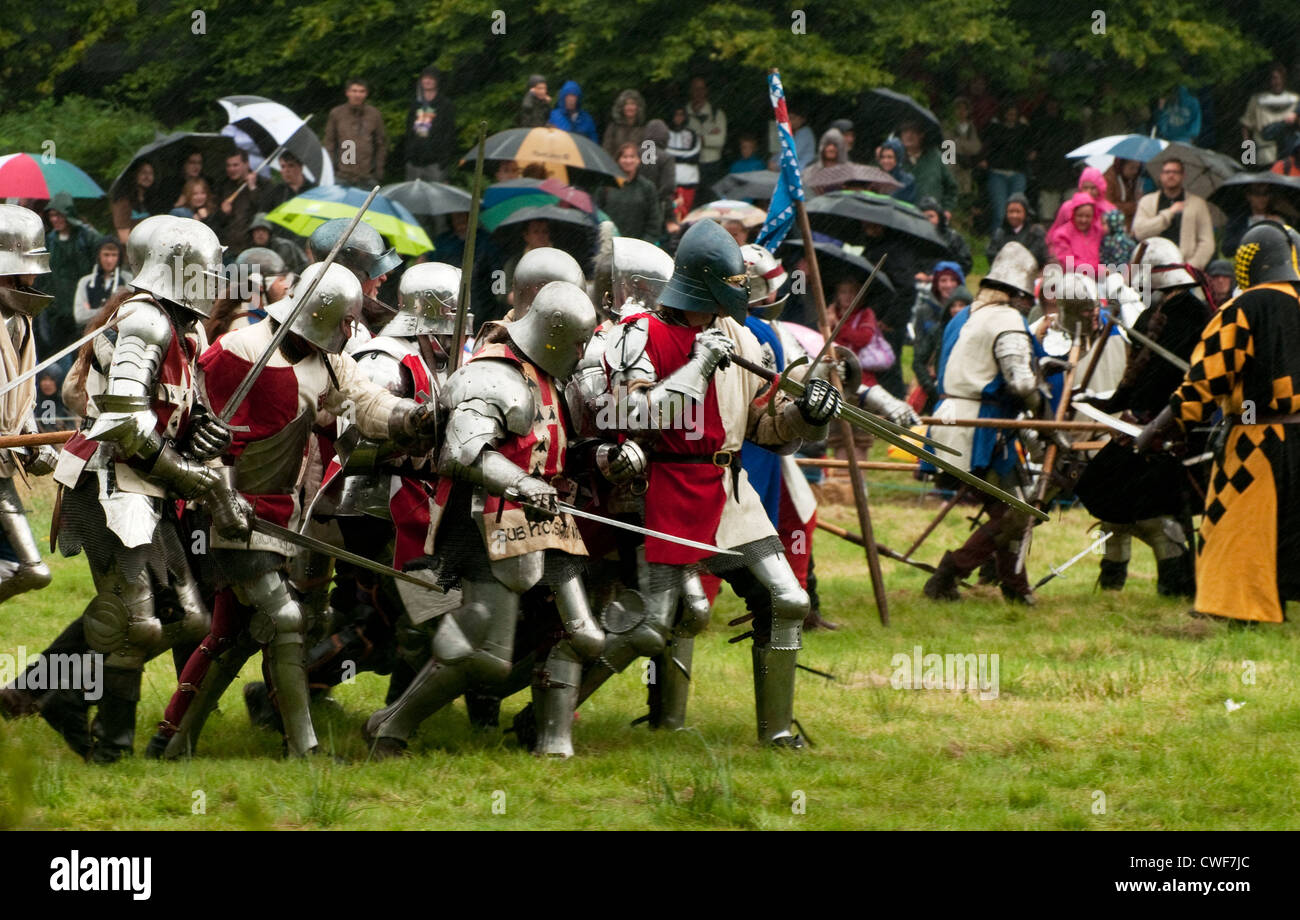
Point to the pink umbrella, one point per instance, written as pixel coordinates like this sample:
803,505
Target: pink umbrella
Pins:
21,177
569,195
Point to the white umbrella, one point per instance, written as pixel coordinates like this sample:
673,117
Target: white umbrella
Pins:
268,125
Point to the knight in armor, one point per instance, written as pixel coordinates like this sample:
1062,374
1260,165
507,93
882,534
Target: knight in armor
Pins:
146,442
1150,496
308,372
382,514
988,368
678,394
23,256
368,257
496,529
1246,366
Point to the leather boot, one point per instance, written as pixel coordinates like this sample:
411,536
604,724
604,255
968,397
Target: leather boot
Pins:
113,729
67,713
1176,577
942,585
1015,585
1113,574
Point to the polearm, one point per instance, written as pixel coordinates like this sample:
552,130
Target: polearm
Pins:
36,438
66,350
246,385
1035,424
881,548
1049,457
868,422
467,261
938,518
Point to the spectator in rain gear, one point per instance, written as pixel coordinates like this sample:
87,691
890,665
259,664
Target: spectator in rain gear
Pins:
110,274
535,109
1124,186
633,205
929,341
889,157
932,176
1017,226
430,131
1267,108
830,152
626,122
958,248
569,114
1116,246
1178,117
945,278
1076,242
72,245
1093,184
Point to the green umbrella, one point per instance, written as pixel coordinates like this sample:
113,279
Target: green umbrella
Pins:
58,176
312,208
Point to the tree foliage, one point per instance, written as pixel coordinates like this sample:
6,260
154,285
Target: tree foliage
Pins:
172,61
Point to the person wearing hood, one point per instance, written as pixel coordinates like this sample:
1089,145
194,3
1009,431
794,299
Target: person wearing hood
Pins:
661,168
1076,242
958,248
355,138
1093,184
430,131
72,245
945,277
1117,245
626,122
929,340
889,157
569,114
535,109
830,152
1177,117
108,275
1017,226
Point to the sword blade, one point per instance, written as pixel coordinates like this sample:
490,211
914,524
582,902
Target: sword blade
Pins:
1110,421
681,541
1060,570
1154,346
28,375
320,546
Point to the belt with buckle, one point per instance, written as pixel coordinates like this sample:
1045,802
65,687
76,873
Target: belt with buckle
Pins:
726,459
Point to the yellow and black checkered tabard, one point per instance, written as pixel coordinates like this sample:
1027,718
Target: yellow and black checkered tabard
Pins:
1241,264
1231,477
1285,398
1217,365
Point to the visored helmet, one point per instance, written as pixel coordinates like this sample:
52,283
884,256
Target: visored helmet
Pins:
1014,270
1267,252
181,263
365,251
427,299
23,252
766,275
709,273
336,298
556,328
539,267
640,271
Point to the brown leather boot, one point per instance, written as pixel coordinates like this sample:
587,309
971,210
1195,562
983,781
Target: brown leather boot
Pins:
942,585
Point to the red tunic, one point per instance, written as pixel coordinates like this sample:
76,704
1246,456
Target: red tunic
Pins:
683,499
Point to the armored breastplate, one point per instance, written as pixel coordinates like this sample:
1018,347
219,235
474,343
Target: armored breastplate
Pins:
270,466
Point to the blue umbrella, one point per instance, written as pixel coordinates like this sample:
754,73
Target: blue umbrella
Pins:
1124,146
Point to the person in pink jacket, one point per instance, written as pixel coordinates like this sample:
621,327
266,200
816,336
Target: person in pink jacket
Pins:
1092,183
1077,235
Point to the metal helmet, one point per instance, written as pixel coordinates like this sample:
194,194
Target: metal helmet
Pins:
365,251
766,275
337,297
539,267
1267,252
709,273
22,242
1075,295
181,263
427,299
265,262
1165,262
22,252
1013,270
137,241
556,328
640,272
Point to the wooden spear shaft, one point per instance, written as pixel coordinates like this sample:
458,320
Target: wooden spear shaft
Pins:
846,430
36,439
828,463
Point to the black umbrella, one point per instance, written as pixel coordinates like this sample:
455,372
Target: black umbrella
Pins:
884,111
1284,190
168,155
270,124
428,199
758,183
571,229
841,215
833,258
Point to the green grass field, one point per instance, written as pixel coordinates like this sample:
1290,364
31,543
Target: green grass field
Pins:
1110,714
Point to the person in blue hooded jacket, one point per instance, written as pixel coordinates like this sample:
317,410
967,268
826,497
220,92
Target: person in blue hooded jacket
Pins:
1178,117
569,114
